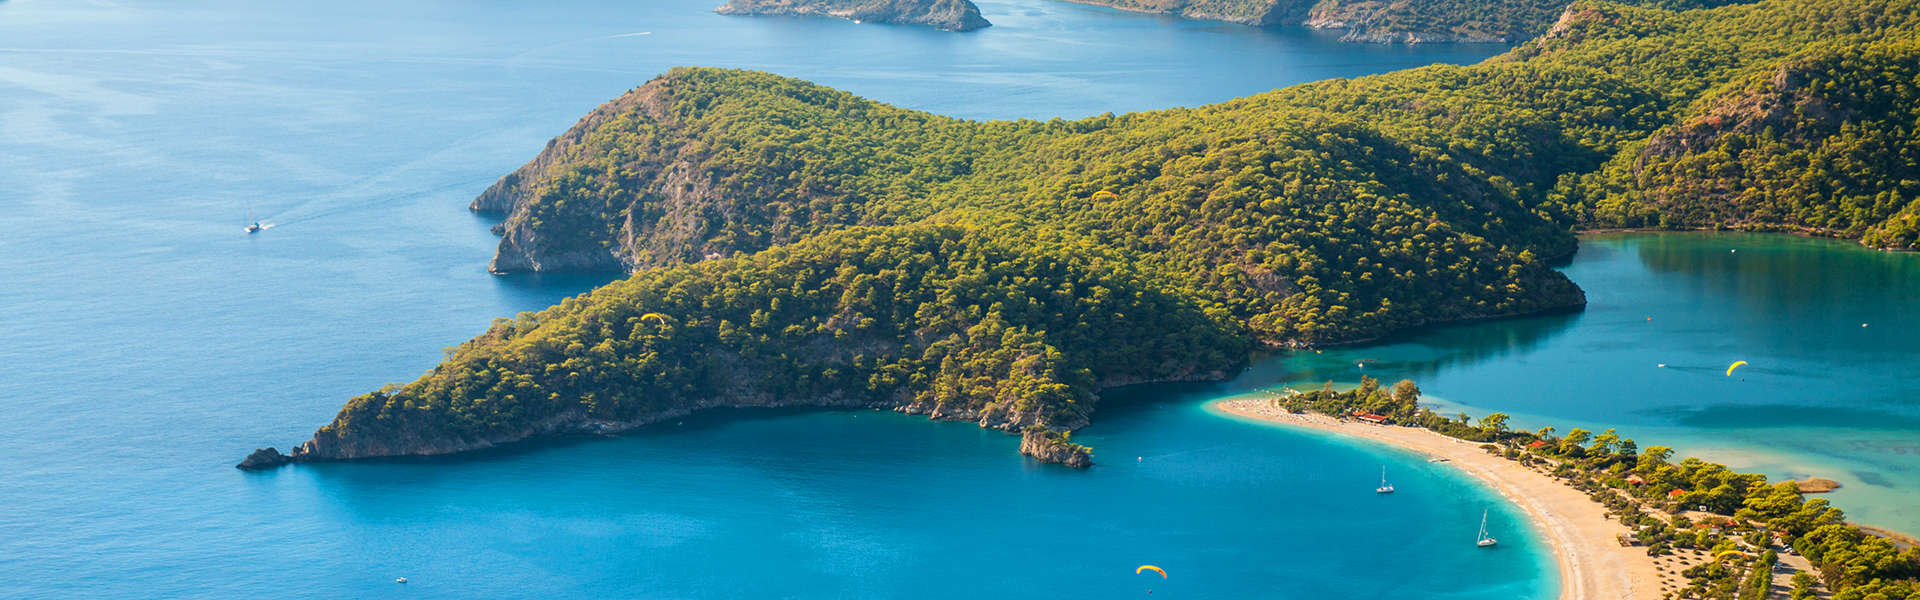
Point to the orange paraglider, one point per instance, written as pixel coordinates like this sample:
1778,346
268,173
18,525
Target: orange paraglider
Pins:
1145,568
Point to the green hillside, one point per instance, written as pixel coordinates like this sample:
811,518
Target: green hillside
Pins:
797,245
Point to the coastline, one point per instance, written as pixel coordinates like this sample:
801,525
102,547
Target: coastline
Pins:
1593,566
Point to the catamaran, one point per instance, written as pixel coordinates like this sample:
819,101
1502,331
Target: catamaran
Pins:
1385,488
1484,540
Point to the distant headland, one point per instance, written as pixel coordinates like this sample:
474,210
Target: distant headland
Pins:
951,15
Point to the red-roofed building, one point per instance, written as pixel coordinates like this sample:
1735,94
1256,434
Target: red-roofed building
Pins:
1676,493
1370,417
1537,444
1635,479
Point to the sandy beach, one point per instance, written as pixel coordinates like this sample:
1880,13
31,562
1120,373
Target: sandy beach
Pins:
1593,565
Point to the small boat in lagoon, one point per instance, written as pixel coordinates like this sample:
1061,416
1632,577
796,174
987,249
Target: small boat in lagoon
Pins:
1483,540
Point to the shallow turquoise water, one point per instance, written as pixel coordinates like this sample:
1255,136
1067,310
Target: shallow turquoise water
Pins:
148,344
1827,328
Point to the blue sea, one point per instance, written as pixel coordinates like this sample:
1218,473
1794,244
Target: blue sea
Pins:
148,343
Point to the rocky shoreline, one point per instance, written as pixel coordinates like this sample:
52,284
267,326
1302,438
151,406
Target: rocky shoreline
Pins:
1051,446
1041,443
1357,20
949,15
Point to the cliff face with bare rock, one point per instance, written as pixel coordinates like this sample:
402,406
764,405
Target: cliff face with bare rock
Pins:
950,15
1055,447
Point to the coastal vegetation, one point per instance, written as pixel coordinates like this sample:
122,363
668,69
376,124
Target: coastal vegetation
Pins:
950,15
1387,21
1245,12
1738,521
796,245
943,320
1824,142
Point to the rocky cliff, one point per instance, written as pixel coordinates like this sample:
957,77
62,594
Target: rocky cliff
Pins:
950,15
644,181
1055,447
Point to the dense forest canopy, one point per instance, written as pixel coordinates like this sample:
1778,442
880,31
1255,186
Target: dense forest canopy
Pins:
1459,20
794,244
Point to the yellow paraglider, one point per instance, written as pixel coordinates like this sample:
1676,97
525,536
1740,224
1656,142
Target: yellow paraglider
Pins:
1733,552
655,316
1736,364
1105,195
1145,568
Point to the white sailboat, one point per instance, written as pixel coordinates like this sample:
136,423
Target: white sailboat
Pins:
1385,488
1483,540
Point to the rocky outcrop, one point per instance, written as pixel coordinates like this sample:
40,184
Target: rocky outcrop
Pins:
1055,447
950,15
506,194
264,458
524,247
1783,103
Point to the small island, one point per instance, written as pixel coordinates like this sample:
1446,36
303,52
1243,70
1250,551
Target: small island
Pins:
950,15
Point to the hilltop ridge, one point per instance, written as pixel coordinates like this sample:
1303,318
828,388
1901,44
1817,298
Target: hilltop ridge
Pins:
790,244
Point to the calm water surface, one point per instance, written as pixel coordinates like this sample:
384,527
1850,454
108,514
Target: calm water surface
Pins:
148,343
1827,328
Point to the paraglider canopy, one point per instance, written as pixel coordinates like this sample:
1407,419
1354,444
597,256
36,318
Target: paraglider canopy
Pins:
1145,568
655,316
1736,364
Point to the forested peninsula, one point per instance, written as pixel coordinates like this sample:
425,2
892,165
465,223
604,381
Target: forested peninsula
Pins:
794,245
951,15
1390,21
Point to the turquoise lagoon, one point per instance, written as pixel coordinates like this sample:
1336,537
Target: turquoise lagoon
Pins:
149,343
